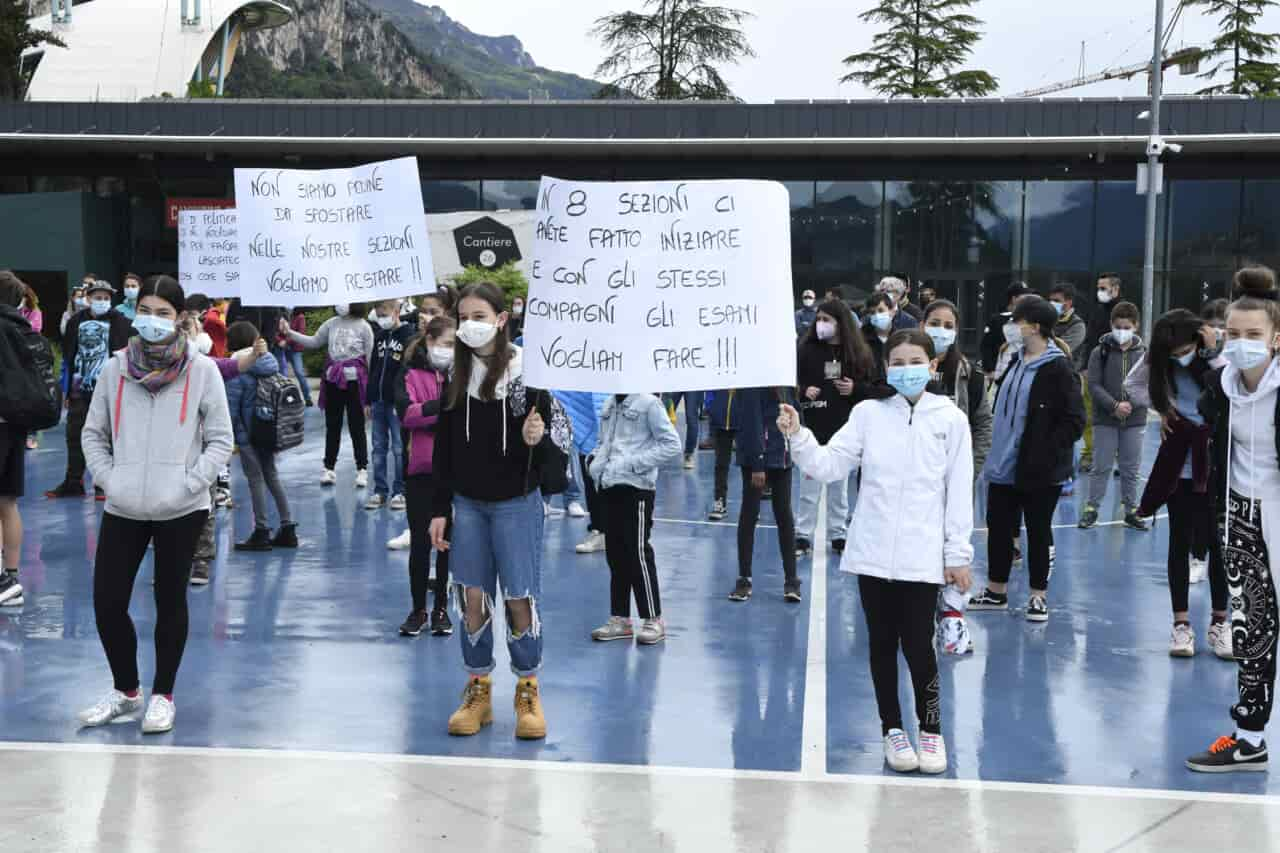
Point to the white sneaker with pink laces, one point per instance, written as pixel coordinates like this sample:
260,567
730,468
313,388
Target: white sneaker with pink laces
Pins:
898,753
933,754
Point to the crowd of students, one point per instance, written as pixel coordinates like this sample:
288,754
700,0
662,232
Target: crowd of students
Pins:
162,387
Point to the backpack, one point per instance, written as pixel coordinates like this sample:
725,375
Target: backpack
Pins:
30,396
278,412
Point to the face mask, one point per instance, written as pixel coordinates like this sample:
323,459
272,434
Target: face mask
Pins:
807,302
1013,335
1059,307
1122,336
517,309
825,330
341,310
99,307
153,329
942,338
131,293
386,322
81,302
442,357
882,322
910,379
1245,355
1104,296
1185,360
476,334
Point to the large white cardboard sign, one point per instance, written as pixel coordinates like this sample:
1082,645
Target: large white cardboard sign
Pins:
325,237
660,286
209,252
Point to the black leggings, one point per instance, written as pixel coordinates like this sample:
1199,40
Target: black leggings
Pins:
418,491
899,614
338,401
779,480
595,503
723,439
1006,507
122,544
628,516
1184,507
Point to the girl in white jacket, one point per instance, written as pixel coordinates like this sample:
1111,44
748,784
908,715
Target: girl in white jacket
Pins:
910,532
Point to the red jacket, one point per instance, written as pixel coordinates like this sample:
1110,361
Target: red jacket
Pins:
215,326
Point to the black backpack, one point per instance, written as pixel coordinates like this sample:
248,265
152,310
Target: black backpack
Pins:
278,411
30,396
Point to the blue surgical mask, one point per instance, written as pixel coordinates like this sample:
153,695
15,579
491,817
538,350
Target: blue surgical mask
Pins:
153,329
1059,307
1244,354
882,322
1185,360
99,307
909,380
942,338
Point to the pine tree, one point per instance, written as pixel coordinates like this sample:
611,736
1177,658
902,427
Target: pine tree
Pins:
670,50
1241,48
916,56
17,36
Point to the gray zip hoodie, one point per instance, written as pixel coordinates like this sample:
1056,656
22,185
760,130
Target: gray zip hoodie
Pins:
157,454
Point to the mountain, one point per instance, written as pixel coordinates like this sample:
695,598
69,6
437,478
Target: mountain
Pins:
498,66
340,49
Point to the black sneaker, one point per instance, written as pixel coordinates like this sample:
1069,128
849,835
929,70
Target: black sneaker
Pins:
791,590
440,624
1228,755
286,537
10,590
989,600
200,573
719,510
803,548
1037,608
837,545
259,541
1089,517
1134,521
66,490
742,591
99,494
413,626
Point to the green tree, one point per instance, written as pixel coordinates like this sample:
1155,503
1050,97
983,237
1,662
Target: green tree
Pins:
670,51
17,36
1241,48
917,55
508,278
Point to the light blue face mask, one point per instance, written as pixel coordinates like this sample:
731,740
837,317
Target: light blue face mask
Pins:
1245,354
909,380
943,338
153,329
882,321
1185,360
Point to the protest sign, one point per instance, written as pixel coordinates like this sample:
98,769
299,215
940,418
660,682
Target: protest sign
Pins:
660,286
209,252
332,236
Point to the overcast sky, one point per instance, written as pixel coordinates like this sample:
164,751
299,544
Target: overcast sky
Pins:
800,43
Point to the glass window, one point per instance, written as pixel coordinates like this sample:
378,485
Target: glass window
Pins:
1259,223
1203,216
802,214
450,196
947,226
1120,223
845,233
510,195
60,184
1059,233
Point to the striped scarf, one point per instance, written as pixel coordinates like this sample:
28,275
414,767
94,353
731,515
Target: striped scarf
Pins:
153,366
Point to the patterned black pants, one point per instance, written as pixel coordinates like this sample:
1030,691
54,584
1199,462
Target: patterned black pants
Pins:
1254,617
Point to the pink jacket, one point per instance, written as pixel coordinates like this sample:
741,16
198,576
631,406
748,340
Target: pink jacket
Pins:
34,317
418,405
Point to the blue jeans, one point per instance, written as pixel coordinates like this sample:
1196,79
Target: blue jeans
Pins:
293,359
496,542
386,428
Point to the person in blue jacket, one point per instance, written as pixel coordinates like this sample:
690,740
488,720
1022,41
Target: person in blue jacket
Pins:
765,459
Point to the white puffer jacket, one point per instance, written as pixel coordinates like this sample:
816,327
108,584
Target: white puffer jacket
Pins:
915,500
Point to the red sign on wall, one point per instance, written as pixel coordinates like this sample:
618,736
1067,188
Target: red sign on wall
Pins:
173,205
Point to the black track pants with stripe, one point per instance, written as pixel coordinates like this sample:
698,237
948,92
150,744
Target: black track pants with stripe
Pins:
628,521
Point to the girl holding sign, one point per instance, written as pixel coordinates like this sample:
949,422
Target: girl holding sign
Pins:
498,446
921,472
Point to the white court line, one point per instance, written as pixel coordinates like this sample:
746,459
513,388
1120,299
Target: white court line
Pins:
813,731
729,774
657,520
1075,527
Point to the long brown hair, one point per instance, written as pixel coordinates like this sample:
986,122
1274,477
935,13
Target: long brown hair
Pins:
855,356
463,354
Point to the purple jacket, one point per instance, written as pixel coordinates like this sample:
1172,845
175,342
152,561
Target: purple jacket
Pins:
335,374
418,404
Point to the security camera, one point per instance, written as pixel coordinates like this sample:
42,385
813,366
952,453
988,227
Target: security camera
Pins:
1174,147
1144,115
1158,146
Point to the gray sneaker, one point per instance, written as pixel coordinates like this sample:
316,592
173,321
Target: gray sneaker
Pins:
114,704
200,573
617,628
652,632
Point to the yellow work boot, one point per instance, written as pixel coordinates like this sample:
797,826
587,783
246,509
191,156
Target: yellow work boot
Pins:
530,724
476,710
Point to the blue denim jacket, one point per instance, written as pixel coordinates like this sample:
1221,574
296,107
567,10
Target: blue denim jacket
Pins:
636,439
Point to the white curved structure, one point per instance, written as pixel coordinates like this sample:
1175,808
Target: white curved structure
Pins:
127,50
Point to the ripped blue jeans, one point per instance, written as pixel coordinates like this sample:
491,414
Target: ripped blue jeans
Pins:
496,543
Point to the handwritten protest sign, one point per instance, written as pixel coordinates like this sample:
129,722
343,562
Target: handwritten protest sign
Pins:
660,286
325,237
209,252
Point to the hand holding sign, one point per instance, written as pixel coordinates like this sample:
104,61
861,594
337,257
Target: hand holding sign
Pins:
788,420
534,428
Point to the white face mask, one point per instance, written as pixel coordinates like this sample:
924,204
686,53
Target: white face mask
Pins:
1122,336
807,302
476,334
81,302
1245,354
517,309
825,330
386,322
342,310
99,307
441,357
943,338
1104,295
1013,335
131,293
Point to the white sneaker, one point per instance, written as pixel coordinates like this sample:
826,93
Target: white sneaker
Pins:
548,511
953,637
159,718
576,510
689,463
1199,570
1183,642
1219,639
652,632
593,544
362,478
328,478
401,542
933,754
898,753
617,628
375,502
114,704
396,504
